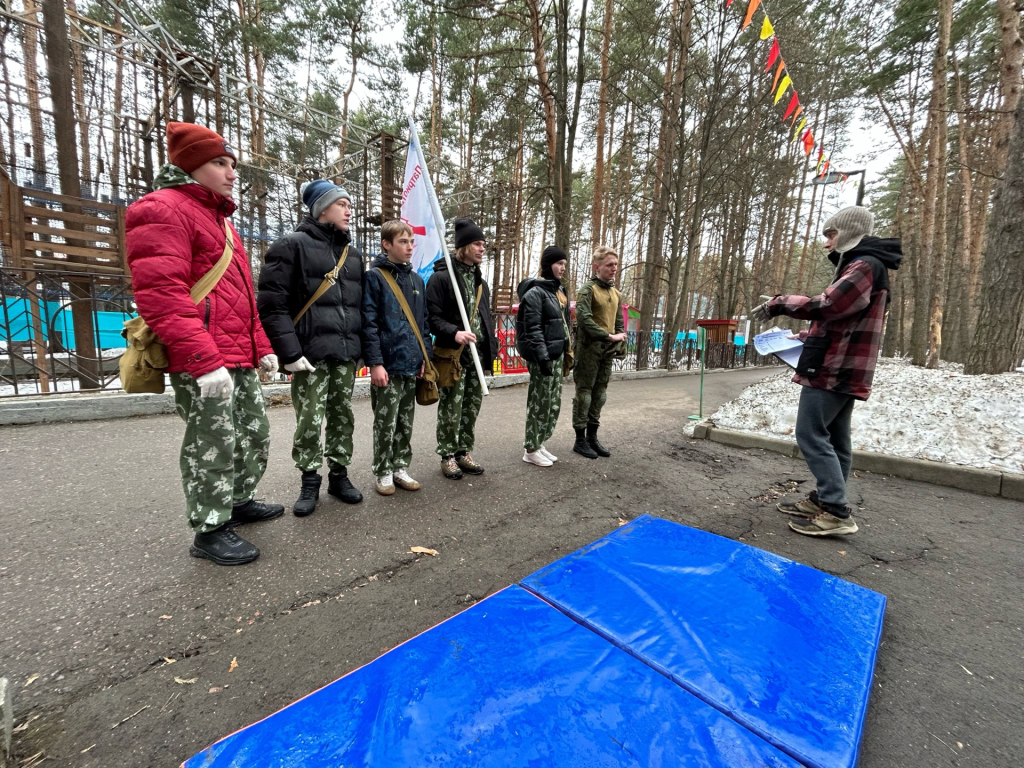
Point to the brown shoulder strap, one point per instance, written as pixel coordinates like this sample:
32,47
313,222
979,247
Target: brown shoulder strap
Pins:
390,280
209,281
329,279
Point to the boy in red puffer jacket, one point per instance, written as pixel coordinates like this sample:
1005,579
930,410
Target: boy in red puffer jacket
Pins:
175,235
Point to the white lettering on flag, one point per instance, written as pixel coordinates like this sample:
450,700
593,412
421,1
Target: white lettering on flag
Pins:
418,214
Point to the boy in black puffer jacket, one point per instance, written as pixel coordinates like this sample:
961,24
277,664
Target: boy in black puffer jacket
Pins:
319,342
394,356
542,336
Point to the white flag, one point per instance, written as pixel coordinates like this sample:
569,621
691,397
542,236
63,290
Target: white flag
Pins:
417,209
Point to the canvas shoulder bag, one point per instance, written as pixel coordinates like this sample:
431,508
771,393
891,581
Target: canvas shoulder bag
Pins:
143,363
426,388
448,361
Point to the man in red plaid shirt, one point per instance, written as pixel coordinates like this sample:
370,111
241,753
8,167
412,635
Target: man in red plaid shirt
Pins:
837,363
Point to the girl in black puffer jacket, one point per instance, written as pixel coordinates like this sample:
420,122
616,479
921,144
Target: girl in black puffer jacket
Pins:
542,336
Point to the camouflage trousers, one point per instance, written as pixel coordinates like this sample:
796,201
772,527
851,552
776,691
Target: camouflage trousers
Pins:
591,373
457,412
543,403
224,453
394,407
323,395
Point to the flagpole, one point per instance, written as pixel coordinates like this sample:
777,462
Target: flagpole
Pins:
435,208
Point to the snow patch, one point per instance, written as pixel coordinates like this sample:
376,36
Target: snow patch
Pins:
939,415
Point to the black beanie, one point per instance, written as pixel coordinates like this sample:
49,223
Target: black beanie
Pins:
466,232
552,255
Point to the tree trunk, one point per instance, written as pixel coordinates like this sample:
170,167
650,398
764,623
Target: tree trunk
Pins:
59,71
35,112
597,207
938,179
999,337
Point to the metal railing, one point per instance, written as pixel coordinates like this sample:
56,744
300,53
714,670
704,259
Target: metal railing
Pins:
38,350
685,354
37,332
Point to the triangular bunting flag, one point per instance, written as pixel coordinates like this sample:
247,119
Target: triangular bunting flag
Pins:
786,82
793,104
799,111
778,74
821,159
799,128
767,30
750,13
808,142
773,54
728,3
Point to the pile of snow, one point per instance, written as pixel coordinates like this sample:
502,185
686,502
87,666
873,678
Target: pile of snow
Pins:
940,415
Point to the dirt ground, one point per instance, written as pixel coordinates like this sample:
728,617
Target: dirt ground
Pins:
121,646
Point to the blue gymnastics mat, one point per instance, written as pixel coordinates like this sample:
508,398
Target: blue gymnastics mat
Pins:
785,650
508,682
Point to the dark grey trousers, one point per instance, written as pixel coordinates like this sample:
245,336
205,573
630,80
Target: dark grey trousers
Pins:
823,434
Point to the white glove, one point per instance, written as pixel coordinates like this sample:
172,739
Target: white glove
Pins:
300,365
268,364
216,383
761,313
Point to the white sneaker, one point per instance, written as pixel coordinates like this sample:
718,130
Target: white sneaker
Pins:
404,480
536,457
547,454
385,485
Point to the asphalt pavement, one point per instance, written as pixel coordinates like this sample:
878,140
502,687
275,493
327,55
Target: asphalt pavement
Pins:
125,651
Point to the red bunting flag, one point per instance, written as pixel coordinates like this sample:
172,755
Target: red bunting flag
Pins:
728,3
773,54
750,13
794,102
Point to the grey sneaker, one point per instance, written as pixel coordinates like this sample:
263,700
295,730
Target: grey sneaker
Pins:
806,508
824,524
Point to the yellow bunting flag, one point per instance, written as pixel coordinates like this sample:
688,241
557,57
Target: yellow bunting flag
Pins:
767,30
799,128
750,13
786,82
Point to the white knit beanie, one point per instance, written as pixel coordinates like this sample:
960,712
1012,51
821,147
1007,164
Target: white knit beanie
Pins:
853,224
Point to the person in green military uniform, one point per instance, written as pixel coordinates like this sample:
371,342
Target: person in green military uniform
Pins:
310,304
178,236
542,337
459,404
393,353
600,337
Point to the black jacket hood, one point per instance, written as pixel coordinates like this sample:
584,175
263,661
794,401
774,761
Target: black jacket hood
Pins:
323,231
882,253
530,282
887,250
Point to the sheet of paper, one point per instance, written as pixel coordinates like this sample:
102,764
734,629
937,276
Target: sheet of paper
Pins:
776,341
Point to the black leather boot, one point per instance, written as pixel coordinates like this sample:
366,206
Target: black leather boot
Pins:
581,446
338,485
599,449
224,547
309,495
253,511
